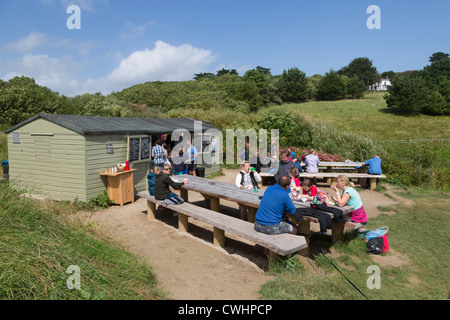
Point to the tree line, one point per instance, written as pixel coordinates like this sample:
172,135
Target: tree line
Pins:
423,91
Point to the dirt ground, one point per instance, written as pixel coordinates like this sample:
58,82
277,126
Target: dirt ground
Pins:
188,266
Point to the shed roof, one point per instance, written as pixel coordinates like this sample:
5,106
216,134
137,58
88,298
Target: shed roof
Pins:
93,125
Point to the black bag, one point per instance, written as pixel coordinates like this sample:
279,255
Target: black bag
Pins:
375,245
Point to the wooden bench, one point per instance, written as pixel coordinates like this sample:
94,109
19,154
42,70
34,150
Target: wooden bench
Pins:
332,176
282,244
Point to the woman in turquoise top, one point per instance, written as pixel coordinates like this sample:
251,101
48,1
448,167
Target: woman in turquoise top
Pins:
350,197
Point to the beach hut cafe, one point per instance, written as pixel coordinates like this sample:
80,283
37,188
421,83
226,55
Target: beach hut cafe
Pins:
64,157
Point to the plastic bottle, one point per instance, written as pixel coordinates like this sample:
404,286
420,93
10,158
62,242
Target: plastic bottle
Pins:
256,189
315,200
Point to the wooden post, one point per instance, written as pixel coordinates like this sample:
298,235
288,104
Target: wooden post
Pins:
333,181
151,210
329,180
251,213
337,231
184,194
273,256
304,228
219,237
207,200
215,204
183,224
373,183
362,181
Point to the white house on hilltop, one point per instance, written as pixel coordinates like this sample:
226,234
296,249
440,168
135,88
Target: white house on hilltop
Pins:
382,85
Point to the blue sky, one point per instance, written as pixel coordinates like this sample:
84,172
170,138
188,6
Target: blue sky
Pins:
122,43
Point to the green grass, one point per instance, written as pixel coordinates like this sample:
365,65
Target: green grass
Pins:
417,163
38,244
419,237
370,116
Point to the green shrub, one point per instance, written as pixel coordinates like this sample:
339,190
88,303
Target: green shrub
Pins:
101,200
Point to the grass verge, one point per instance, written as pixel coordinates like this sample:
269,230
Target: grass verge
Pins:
38,245
415,267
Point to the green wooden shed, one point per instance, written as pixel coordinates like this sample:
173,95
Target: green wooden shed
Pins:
62,156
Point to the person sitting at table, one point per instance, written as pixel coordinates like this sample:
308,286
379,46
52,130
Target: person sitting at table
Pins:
312,161
374,167
276,200
352,198
295,181
246,179
297,163
284,165
162,184
310,190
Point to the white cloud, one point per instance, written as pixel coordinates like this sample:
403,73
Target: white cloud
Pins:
54,73
164,63
29,43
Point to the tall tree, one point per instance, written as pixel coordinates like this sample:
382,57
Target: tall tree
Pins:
331,87
438,56
361,67
293,86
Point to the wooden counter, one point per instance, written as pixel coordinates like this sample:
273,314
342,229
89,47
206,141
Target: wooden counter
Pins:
120,186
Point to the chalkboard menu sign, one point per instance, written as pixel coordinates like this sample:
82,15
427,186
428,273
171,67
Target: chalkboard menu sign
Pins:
134,149
145,148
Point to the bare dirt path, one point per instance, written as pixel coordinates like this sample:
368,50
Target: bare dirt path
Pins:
187,264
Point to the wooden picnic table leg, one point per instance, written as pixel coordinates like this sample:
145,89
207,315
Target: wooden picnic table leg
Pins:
183,224
151,210
304,228
373,183
362,181
333,181
184,194
329,169
251,213
337,231
215,204
207,200
219,237
273,256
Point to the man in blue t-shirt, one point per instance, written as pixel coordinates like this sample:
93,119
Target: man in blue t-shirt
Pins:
276,200
192,154
374,165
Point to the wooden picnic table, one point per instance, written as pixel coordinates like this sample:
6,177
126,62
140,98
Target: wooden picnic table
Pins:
213,191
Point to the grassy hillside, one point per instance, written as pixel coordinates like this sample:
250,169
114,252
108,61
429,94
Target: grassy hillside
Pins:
38,245
370,116
422,158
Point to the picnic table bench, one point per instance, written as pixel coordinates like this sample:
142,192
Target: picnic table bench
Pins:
282,244
332,177
213,191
